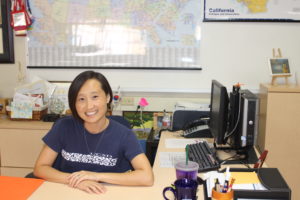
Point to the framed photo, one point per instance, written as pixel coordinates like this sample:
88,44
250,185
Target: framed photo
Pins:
279,67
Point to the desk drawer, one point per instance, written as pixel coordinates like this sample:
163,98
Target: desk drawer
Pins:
18,172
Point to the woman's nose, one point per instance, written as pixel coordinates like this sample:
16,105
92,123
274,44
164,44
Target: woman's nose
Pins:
90,104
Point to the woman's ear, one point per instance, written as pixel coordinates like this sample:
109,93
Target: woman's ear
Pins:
107,98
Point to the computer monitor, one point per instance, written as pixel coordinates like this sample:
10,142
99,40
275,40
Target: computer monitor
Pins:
218,112
233,124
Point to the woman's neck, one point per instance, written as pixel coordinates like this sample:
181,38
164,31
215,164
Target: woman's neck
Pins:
98,127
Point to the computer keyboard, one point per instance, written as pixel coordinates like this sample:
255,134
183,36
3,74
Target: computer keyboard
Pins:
202,154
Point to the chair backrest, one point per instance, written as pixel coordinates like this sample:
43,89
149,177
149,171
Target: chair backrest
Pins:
126,123
120,119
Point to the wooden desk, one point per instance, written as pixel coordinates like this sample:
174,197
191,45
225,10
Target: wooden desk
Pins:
163,177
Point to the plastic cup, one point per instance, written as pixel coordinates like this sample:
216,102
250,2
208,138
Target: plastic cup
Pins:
189,170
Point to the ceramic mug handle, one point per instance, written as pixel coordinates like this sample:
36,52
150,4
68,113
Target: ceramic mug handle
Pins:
168,189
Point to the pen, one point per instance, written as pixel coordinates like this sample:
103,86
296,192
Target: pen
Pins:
216,183
219,189
226,182
225,187
227,174
230,185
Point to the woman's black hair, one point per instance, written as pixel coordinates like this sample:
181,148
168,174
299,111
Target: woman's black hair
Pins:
78,82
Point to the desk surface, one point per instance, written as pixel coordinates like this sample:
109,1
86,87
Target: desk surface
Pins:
163,177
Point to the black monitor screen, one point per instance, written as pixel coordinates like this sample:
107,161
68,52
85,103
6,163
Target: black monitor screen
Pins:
218,111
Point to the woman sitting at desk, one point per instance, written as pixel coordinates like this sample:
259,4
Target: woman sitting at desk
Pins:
87,148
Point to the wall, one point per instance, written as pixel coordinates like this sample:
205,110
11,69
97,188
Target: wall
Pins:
10,75
230,53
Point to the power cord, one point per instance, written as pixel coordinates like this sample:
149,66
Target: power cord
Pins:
135,114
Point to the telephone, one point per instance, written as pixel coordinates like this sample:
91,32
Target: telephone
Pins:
197,128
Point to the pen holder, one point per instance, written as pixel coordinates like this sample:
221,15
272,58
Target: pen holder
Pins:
222,196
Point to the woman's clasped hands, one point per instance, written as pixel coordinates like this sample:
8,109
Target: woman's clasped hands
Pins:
86,181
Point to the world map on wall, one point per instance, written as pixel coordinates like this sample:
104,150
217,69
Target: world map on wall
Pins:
114,31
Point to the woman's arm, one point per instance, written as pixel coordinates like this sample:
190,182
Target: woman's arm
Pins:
141,176
43,167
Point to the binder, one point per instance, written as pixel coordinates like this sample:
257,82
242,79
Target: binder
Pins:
270,178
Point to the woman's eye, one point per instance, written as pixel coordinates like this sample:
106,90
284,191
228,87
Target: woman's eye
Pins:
81,99
95,97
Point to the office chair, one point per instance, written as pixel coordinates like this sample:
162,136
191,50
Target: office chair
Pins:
120,119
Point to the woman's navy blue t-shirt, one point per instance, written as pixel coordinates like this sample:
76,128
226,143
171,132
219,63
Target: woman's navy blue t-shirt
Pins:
109,151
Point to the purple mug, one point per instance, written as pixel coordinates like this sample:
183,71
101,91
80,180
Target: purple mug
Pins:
184,189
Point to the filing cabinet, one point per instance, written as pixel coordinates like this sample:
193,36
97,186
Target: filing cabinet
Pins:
20,145
279,130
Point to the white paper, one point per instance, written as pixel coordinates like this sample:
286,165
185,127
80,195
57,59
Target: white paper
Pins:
38,87
34,100
50,87
210,180
168,159
180,143
18,97
256,186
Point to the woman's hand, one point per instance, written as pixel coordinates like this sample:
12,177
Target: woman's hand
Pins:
75,178
91,187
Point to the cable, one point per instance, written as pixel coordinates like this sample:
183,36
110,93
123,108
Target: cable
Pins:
142,121
135,113
238,119
235,157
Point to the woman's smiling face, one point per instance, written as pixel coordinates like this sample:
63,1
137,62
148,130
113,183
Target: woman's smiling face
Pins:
91,102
